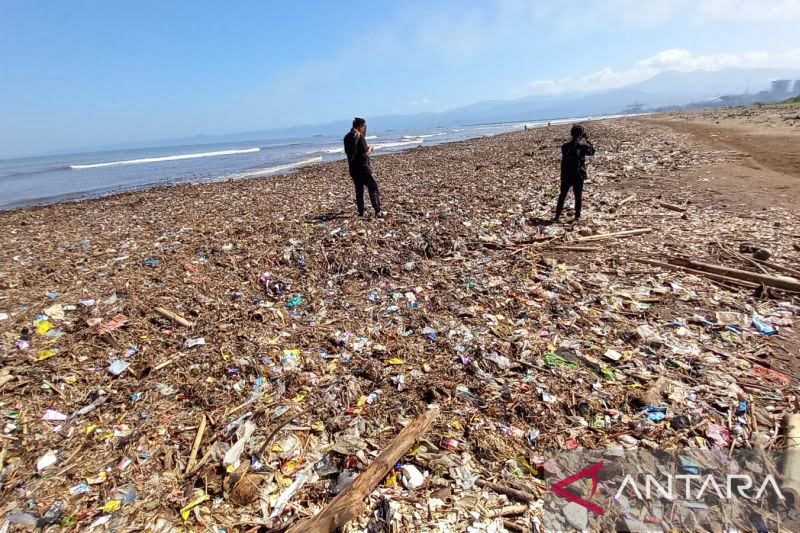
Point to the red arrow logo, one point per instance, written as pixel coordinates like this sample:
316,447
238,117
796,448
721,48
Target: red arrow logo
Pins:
593,472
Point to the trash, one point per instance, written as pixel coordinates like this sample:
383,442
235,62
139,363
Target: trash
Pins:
191,343
151,262
763,327
612,355
232,456
720,435
290,360
52,515
54,416
343,481
656,414
117,367
187,509
649,335
22,519
288,494
45,461
82,488
411,477
294,301
111,325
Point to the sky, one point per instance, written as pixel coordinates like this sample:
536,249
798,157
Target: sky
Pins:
89,73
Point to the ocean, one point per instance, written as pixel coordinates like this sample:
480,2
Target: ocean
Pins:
56,178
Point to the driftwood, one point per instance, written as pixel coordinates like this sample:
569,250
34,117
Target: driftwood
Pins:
672,207
350,503
603,236
709,275
779,268
779,282
508,491
577,248
510,510
174,317
791,466
511,526
197,440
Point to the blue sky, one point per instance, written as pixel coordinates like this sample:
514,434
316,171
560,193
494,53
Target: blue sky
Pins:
86,73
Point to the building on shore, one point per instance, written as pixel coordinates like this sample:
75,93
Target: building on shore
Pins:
780,87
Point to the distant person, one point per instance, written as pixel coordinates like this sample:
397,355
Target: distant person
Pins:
573,168
357,150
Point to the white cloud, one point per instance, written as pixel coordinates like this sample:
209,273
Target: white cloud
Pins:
671,59
421,101
749,11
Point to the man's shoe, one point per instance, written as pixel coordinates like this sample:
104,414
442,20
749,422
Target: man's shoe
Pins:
380,214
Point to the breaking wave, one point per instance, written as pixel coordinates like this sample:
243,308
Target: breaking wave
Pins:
379,146
274,170
165,158
426,136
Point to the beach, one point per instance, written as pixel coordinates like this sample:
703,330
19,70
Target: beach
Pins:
464,297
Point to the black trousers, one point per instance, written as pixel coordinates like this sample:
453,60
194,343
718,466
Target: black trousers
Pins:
361,179
576,184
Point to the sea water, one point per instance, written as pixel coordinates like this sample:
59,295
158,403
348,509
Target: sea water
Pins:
54,178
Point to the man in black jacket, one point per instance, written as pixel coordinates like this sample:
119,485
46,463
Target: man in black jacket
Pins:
573,168
357,151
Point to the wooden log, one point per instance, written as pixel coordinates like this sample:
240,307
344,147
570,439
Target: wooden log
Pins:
510,510
174,317
672,207
702,273
780,268
350,503
603,236
508,491
164,364
197,440
577,248
779,282
511,526
791,467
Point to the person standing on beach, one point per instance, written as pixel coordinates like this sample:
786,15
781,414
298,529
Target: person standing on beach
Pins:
357,151
573,168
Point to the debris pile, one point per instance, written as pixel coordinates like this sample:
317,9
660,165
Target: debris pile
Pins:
235,355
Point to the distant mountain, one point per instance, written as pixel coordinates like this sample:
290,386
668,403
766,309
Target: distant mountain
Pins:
668,90
671,88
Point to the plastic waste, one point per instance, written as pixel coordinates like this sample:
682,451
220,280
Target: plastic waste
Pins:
54,416
232,456
191,343
22,519
117,367
411,477
46,461
289,492
763,327
656,414
52,515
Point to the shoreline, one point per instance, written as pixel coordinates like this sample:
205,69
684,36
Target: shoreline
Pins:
275,170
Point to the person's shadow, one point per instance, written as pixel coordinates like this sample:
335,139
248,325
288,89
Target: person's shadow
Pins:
538,221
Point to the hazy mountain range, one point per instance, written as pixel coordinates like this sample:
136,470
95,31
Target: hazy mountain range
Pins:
671,88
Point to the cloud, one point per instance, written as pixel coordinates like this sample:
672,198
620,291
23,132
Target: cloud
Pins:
671,59
421,101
